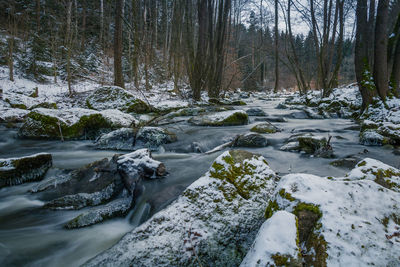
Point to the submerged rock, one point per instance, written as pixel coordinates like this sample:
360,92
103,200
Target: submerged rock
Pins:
115,208
15,171
265,127
126,139
272,119
114,97
371,138
250,140
225,118
74,123
347,162
256,112
217,216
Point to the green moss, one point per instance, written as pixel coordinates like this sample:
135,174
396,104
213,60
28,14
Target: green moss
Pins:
383,178
317,244
263,128
271,209
306,206
239,103
138,106
280,260
238,118
362,163
236,174
286,195
45,105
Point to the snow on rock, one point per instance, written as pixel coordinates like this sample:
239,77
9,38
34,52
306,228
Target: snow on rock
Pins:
276,241
309,143
12,114
349,221
216,217
73,123
381,173
225,118
14,171
114,97
126,139
141,162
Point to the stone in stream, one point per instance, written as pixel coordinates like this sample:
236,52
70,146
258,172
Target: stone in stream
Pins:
272,119
114,97
225,118
218,216
125,139
348,162
73,123
372,138
256,112
15,171
308,143
250,140
265,127
116,208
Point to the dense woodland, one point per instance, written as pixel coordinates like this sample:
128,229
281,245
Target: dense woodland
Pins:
206,45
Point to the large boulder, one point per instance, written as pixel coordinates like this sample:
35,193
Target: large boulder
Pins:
114,97
340,221
126,139
225,118
212,223
74,123
14,171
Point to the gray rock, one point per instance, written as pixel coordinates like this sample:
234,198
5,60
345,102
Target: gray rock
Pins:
371,138
299,115
115,208
153,138
121,139
15,171
250,140
348,162
255,112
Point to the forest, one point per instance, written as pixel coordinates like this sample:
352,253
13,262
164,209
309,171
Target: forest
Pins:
199,133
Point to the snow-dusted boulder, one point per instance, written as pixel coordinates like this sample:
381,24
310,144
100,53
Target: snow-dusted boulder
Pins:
125,139
225,118
276,243
14,171
12,114
213,222
348,221
74,123
371,138
114,97
265,127
250,140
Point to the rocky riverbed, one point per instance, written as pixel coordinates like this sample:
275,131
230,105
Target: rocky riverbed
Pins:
204,199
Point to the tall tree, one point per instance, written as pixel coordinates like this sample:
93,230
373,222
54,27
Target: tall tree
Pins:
276,41
118,75
380,51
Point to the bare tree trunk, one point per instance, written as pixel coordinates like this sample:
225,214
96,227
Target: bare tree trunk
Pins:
38,16
276,87
101,23
361,53
83,25
380,53
118,75
395,75
68,42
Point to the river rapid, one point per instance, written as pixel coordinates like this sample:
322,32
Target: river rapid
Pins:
33,236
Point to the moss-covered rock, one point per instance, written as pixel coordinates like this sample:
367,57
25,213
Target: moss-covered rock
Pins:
114,97
48,105
218,216
265,127
15,171
72,123
225,118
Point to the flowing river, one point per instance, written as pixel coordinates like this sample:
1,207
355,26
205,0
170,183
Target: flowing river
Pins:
33,236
